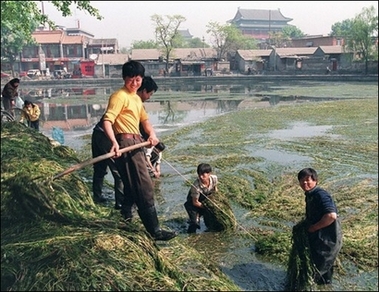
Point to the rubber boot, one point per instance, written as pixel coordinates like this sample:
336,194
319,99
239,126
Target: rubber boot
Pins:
97,190
118,196
194,219
127,212
150,221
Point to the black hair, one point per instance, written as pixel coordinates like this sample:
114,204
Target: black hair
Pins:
27,102
203,168
149,84
14,80
307,172
132,69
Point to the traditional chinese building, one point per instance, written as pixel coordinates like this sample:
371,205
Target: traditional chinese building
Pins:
258,23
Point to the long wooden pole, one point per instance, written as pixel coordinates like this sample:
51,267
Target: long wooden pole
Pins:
99,158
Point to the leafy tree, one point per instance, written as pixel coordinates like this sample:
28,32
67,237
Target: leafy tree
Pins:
360,34
279,39
227,38
181,42
166,33
342,29
197,43
20,18
292,31
150,44
363,30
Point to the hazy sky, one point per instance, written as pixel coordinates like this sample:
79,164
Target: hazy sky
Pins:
130,21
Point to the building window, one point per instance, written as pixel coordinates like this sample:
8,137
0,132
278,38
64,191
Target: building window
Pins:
30,52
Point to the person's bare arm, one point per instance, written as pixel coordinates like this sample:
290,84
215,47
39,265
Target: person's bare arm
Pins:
150,131
197,203
158,170
325,221
107,126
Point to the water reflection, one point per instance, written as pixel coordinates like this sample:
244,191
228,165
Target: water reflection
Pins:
79,108
84,115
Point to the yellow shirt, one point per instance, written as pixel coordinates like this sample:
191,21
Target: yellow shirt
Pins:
31,114
125,111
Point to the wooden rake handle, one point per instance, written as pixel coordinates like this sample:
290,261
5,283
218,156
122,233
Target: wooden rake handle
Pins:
99,158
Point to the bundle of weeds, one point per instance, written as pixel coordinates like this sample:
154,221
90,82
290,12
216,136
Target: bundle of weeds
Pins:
300,269
219,215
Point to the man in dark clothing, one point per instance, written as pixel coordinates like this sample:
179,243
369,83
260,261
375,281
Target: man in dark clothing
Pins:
324,232
100,145
10,93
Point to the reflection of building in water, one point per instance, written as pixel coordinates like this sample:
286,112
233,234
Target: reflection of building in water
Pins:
70,117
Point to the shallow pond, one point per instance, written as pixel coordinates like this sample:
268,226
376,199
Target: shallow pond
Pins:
234,253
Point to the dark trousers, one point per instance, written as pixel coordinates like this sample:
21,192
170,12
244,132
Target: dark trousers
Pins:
34,124
325,244
101,144
7,103
138,185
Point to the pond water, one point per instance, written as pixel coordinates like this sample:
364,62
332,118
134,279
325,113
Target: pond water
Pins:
234,254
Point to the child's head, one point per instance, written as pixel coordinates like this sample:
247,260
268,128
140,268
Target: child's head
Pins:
203,168
28,104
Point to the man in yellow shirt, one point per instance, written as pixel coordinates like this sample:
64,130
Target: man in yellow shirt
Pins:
124,113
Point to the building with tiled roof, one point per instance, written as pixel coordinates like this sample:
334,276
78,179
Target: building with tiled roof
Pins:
185,34
258,23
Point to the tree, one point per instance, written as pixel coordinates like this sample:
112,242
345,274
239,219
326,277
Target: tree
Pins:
292,31
227,38
196,43
150,44
166,32
363,30
20,18
360,34
342,29
279,39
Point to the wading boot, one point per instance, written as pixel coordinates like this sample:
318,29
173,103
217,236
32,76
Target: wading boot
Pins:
118,193
194,221
127,212
97,190
150,221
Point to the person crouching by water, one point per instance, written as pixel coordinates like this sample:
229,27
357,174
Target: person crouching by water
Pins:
203,186
31,113
324,231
